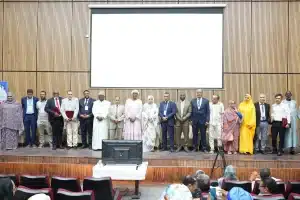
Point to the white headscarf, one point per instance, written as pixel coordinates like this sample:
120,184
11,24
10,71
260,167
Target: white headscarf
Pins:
135,91
150,96
39,197
177,192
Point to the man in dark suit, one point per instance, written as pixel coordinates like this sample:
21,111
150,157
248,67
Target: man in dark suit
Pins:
30,114
86,119
262,110
200,119
167,111
56,120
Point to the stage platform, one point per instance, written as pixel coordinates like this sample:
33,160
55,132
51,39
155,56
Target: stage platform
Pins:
163,166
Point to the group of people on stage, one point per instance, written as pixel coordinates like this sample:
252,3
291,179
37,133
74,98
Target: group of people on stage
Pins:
241,129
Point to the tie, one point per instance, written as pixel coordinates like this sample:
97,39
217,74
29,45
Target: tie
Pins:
57,103
198,103
117,106
86,101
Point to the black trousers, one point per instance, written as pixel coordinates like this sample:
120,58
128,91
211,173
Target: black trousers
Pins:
57,129
86,127
275,130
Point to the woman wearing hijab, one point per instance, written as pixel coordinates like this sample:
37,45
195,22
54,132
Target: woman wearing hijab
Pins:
11,123
237,193
149,124
229,174
177,192
40,197
247,130
7,189
231,128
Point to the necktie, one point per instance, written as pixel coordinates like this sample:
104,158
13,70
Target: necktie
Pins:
117,106
198,103
263,111
57,103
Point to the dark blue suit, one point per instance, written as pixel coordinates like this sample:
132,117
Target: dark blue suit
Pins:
167,126
199,117
86,124
30,120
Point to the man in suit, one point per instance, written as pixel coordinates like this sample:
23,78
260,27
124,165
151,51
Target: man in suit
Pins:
200,119
116,122
167,111
183,114
30,114
262,110
52,107
86,119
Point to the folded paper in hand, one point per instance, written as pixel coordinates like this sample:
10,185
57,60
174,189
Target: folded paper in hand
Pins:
56,110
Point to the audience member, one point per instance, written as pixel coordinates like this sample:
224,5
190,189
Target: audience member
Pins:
237,193
177,192
229,174
268,187
40,197
7,189
203,182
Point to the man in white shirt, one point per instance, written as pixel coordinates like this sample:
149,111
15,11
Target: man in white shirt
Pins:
215,122
69,110
116,123
280,116
43,122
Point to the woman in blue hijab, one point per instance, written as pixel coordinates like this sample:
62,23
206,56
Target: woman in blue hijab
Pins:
238,193
229,174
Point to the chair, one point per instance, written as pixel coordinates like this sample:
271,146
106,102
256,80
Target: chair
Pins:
102,188
13,177
34,182
68,195
214,183
294,196
25,193
292,187
69,184
246,185
281,187
269,197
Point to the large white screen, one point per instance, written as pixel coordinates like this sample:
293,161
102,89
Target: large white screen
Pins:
157,50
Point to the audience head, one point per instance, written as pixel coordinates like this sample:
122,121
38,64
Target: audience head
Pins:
7,188
86,94
237,193
166,96
70,94
265,173
230,173
135,94
177,192
203,182
10,97
232,104
262,98
55,93
247,97
215,98
254,175
199,172
182,97
278,98
199,93
29,93
40,197
268,186
288,95
190,182
117,100
150,99
43,95
101,95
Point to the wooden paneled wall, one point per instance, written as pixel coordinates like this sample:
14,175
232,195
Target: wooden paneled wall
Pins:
43,46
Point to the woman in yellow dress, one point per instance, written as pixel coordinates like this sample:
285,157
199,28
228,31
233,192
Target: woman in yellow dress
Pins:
247,130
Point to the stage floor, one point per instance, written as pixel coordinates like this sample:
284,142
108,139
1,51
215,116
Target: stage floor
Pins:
163,166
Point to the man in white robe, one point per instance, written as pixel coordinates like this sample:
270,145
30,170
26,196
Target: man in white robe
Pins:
116,116
101,120
133,117
215,122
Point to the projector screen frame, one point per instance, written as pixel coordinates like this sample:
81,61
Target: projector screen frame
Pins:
152,6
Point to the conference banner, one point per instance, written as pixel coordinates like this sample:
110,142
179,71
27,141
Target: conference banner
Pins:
3,91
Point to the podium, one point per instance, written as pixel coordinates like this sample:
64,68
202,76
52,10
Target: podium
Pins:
122,172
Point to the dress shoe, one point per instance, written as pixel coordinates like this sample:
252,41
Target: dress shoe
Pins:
54,148
195,150
75,147
84,146
279,153
68,148
186,149
178,149
262,152
164,149
171,150
205,151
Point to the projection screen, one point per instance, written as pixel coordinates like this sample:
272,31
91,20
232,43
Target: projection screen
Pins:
156,46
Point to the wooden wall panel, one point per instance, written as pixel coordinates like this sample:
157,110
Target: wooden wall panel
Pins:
294,85
54,36
20,36
1,31
50,81
269,84
124,94
269,36
158,95
191,93
80,82
294,37
237,37
236,86
80,44
19,82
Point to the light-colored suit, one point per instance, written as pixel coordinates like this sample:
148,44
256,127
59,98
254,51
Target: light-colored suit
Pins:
116,112
182,122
